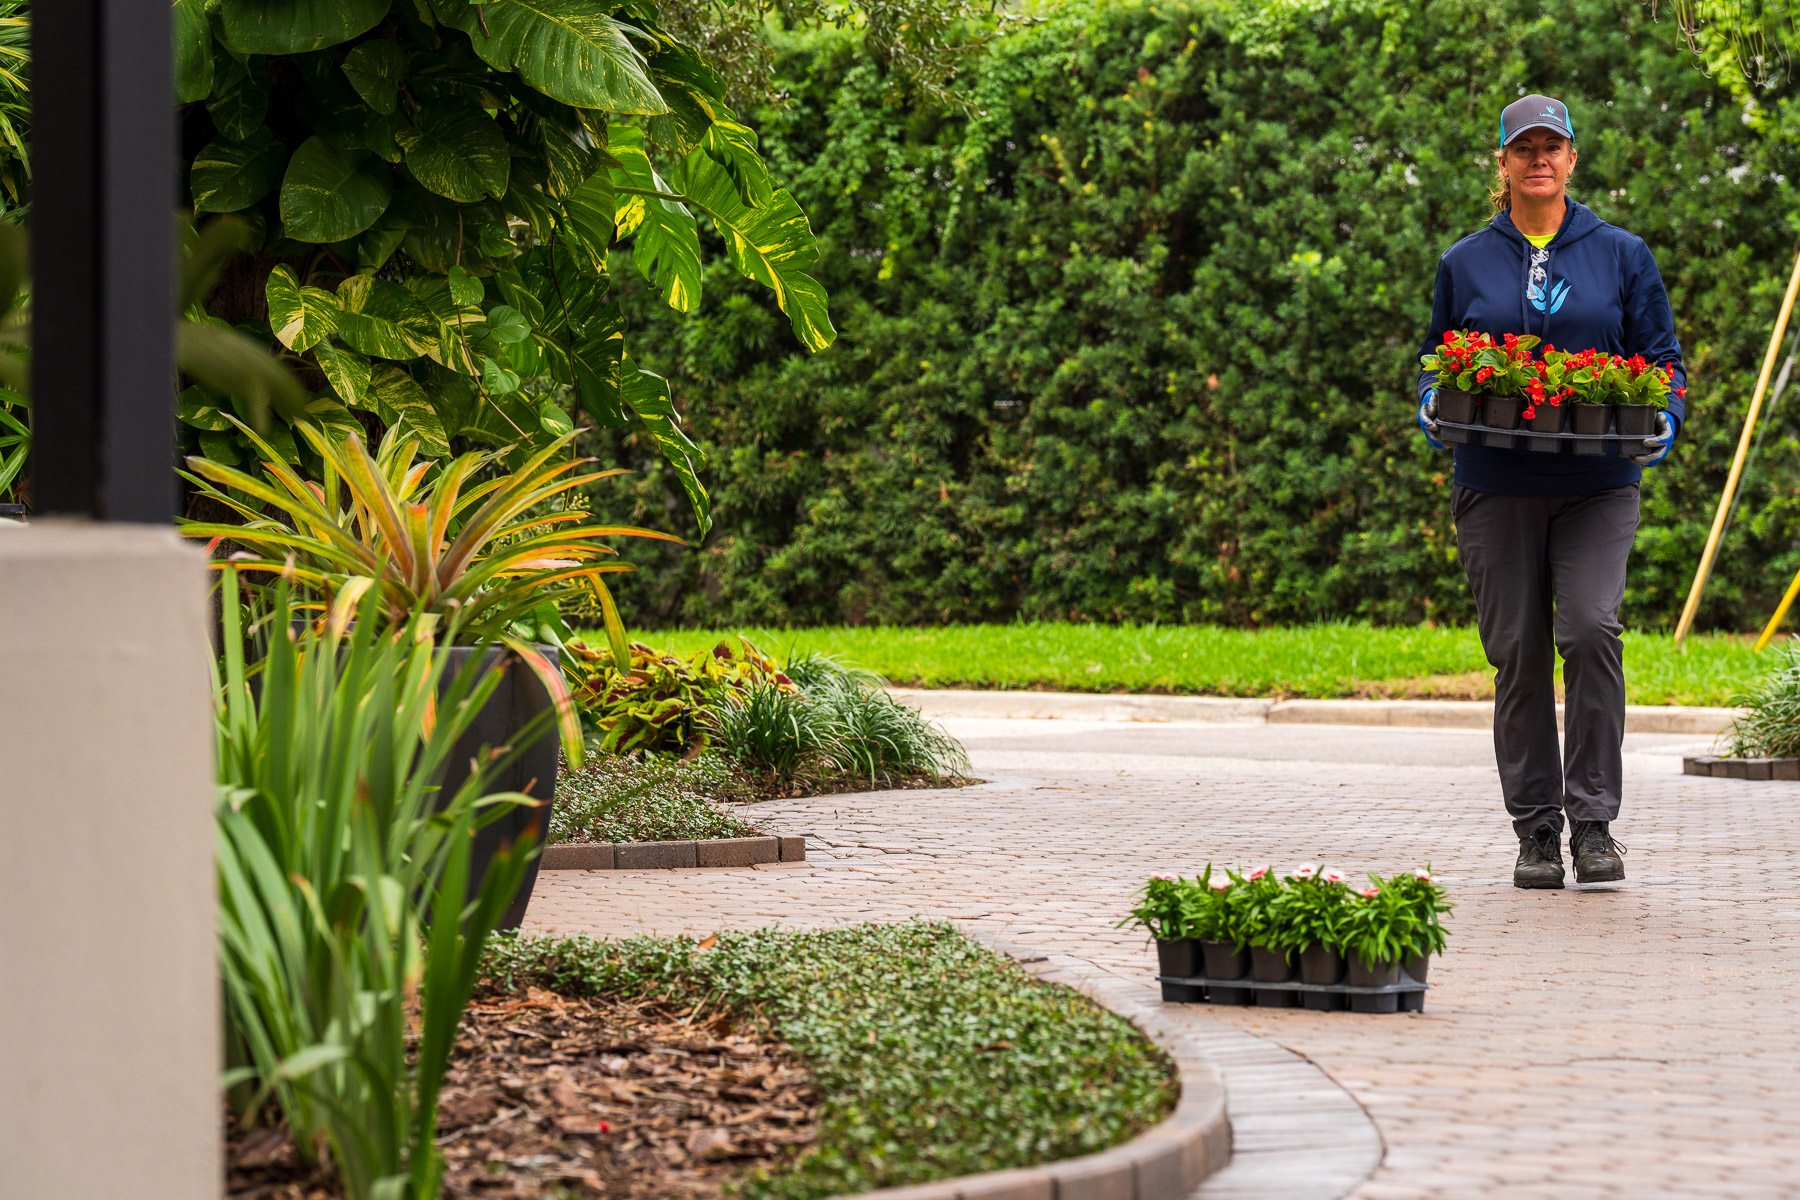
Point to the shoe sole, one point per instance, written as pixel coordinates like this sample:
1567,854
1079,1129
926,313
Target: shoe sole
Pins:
1546,885
1606,875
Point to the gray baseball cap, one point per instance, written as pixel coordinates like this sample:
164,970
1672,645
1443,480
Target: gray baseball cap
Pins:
1535,112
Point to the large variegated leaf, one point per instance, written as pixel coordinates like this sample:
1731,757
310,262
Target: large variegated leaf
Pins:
595,362
399,397
330,195
646,396
348,373
193,52
693,91
772,245
228,176
384,320
571,50
300,317
375,70
239,99
336,420
589,216
457,150
296,26
667,249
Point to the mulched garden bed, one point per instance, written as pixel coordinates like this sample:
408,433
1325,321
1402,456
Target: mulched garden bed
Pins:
549,1097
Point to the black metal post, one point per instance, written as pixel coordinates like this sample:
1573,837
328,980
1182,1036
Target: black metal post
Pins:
103,259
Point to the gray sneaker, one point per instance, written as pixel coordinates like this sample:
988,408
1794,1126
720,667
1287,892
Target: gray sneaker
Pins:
1540,862
1595,853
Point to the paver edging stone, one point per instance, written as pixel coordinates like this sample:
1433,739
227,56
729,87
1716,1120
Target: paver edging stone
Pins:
1163,1163
1741,768
716,852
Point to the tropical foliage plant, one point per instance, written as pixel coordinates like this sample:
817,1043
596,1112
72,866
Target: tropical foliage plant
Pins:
15,105
656,702
438,187
348,940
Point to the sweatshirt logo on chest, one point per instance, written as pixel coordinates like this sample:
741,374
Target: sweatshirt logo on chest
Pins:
1534,289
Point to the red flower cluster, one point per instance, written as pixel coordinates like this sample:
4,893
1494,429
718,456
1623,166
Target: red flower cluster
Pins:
1513,368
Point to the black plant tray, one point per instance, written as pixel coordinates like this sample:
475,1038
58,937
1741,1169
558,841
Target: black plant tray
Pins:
1630,443
1409,992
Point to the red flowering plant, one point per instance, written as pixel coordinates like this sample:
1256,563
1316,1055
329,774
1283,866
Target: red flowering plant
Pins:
1474,362
1596,377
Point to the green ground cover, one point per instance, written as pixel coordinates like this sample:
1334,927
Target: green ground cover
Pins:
1325,660
936,1057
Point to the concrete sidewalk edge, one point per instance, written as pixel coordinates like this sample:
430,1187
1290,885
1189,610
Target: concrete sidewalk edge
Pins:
1412,714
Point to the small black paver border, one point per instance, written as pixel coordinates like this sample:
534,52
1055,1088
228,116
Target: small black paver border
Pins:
669,856
1720,767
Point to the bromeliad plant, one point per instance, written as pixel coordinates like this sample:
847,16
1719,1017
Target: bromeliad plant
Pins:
656,703
426,538
348,942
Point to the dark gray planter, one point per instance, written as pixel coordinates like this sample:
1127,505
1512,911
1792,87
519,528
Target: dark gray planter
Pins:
1362,975
1501,412
1464,408
1272,966
1590,419
1224,961
519,704
1179,957
1635,420
1546,418
1322,965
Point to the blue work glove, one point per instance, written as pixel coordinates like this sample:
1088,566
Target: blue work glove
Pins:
1656,448
1428,419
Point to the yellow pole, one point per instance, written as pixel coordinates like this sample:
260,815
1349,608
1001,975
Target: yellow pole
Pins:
1780,612
1737,466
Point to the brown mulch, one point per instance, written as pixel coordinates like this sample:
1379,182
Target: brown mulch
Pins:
549,1097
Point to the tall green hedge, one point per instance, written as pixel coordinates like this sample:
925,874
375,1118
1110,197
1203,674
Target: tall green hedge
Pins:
1136,340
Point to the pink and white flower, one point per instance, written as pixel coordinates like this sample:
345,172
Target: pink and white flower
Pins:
1332,877
1306,870
1168,878
1423,874
1259,872
1369,893
1221,883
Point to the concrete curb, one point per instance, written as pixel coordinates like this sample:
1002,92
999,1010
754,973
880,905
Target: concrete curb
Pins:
1164,1163
1215,710
671,856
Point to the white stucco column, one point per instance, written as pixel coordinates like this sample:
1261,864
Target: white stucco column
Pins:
109,1027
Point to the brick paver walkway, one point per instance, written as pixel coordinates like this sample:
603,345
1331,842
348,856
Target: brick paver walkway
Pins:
1635,1040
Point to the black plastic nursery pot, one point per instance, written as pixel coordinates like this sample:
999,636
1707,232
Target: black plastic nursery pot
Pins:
520,703
1179,957
1225,961
1272,966
1416,967
1635,420
1501,412
1385,975
1322,965
1590,419
1546,418
1463,408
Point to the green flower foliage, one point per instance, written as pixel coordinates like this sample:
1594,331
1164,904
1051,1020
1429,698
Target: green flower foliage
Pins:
1137,340
936,1056
437,189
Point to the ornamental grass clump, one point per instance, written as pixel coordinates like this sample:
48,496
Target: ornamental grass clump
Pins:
1770,724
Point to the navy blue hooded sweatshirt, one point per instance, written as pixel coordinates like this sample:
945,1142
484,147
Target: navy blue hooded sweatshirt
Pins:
1600,289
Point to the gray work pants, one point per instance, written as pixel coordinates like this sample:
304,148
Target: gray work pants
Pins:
1548,575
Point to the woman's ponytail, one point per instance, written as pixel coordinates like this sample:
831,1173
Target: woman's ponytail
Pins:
1501,193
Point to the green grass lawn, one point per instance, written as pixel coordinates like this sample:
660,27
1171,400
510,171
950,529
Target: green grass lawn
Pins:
1312,660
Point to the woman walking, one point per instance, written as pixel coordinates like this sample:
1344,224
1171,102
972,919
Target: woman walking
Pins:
1544,537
